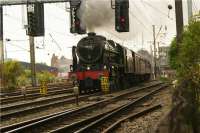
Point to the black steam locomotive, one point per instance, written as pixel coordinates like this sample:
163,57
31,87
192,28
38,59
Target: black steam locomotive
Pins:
95,56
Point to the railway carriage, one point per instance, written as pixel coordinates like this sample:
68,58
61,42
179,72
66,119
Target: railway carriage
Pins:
95,56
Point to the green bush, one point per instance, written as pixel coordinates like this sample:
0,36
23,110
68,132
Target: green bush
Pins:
186,61
173,55
11,71
45,77
22,80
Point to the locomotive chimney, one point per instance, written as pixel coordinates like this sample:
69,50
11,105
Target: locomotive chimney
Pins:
91,34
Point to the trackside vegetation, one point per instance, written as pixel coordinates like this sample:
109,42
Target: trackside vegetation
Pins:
185,59
15,76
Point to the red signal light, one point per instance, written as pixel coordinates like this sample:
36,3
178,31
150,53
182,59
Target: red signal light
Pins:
122,19
122,15
77,23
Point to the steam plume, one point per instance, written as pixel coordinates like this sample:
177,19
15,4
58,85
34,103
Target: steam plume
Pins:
96,14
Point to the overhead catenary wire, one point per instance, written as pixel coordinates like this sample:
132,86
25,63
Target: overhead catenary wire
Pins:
18,20
53,40
14,51
159,11
146,8
134,16
9,15
147,17
137,18
18,46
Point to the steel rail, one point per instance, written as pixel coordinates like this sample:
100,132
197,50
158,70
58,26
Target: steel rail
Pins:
17,125
41,107
35,95
42,101
32,90
37,124
115,125
77,125
70,128
95,124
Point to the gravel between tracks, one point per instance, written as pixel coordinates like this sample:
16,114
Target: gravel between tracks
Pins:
106,108
57,109
148,123
41,113
52,110
36,99
88,113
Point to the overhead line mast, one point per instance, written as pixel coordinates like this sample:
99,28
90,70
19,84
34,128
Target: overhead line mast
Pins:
179,20
1,46
189,4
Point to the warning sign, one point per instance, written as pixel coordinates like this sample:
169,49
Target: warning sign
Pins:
43,88
105,84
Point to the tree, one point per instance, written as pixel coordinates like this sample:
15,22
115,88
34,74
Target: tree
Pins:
22,80
11,70
187,64
173,55
189,58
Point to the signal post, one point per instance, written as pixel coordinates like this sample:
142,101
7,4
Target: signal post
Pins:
35,15
32,59
1,44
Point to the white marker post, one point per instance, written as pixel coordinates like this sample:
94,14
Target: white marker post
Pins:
76,92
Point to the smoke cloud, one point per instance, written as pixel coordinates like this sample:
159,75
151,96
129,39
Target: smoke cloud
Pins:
95,14
98,16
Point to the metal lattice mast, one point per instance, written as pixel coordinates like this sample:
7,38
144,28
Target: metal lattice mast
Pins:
189,5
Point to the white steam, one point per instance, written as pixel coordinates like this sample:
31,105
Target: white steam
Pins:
96,14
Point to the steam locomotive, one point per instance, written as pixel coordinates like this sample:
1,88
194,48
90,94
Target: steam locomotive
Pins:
95,56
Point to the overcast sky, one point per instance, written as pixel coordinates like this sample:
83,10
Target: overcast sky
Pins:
143,14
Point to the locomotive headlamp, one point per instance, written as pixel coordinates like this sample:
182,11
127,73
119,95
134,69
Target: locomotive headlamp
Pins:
88,68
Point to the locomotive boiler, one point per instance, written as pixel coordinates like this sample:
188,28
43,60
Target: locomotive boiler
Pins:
95,56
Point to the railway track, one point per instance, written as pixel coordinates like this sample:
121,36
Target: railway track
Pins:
36,94
33,89
106,122
38,106
85,114
118,123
